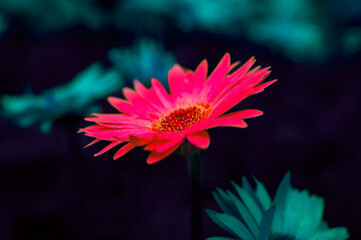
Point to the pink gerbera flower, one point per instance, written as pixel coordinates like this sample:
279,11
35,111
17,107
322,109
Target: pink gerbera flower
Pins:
163,122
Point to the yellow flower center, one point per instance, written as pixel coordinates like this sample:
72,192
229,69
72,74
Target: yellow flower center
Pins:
182,118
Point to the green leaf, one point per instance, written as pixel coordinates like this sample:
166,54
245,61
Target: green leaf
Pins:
248,219
262,195
338,233
248,188
220,238
236,226
224,202
280,201
266,224
212,214
250,203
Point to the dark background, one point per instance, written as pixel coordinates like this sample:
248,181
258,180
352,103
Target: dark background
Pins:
51,188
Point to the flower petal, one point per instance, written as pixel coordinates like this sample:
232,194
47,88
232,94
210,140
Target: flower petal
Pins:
126,107
226,103
166,136
231,81
137,100
221,70
162,145
99,132
199,76
132,95
226,100
242,70
123,150
157,156
234,119
261,87
149,95
218,81
140,88
199,139
141,140
162,94
176,80
112,134
93,142
118,119
108,147
183,83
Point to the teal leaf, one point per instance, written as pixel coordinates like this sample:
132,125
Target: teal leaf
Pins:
220,238
224,202
248,188
266,224
338,233
250,203
236,226
212,214
248,219
262,195
280,201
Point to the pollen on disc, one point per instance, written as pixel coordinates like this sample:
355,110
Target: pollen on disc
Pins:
182,118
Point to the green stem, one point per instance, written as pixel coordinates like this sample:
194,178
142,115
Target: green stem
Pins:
196,208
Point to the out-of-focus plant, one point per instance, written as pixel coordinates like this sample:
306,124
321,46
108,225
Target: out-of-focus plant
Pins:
217,15
293,28
76,97
301,30
253,215
3,23
351,41
146,59
53,14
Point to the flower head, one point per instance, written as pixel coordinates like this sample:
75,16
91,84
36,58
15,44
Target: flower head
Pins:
162,122
291,215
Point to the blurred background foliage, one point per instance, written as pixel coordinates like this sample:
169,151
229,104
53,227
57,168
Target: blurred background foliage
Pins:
301,30
145,60
60,59
76,97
